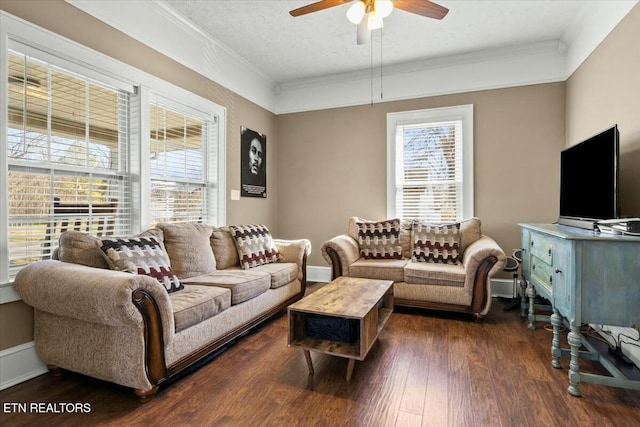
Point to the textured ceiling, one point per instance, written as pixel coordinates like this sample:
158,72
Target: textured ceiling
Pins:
287,49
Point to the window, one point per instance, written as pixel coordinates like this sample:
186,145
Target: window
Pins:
67,142
179,150
430,164
79,136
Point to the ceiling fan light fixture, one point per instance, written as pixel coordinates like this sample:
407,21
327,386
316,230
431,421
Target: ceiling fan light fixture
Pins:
374,20
383,7
356,12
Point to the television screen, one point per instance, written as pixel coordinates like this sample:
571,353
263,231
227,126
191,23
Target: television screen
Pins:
589,178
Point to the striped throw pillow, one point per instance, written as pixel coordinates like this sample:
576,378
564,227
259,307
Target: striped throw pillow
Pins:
255,245
438,243
379,239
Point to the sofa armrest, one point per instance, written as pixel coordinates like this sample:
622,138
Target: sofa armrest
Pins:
481,260
91,294
295,251
340,252
483,248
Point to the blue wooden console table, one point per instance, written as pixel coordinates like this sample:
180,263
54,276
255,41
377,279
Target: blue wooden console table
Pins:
589,277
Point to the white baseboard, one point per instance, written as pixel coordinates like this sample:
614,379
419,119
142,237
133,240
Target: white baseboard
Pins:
19,364
318,274
503,288
499,287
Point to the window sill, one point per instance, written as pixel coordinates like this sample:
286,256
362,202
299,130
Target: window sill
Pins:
8,294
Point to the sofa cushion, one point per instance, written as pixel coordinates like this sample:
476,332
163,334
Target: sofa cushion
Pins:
189,249
255,245
197,303
387,269
470,231
141,255
379,239
81,248
224,248
281,273
243,284
427,273
439,243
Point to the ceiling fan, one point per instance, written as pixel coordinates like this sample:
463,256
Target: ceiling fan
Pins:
368,14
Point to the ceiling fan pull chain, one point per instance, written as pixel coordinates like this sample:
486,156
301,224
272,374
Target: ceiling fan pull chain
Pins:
381,84
372,73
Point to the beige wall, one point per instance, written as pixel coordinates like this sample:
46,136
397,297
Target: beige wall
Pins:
57,16
606,90
336,162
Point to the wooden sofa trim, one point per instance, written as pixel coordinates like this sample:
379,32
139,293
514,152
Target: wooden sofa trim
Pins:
481,288
155,364
336,265
153,342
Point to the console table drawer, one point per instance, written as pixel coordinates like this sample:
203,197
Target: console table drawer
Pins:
541,271
542,248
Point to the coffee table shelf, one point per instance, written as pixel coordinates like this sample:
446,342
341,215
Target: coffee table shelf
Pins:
368,301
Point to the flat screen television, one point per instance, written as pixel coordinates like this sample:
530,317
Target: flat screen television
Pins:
589,175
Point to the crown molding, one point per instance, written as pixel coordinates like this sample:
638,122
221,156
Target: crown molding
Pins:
590,27
518,66
160,27
156,25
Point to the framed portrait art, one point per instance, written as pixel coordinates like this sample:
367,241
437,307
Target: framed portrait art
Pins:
253,180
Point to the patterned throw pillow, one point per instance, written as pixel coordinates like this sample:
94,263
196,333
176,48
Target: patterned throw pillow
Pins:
436,243
379,240
255,245
141,255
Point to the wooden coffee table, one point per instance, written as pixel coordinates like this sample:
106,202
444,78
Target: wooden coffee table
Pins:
368,301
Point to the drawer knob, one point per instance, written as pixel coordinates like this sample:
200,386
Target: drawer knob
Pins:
558,270
549,251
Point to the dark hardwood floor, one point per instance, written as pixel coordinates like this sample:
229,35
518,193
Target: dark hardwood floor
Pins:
427,369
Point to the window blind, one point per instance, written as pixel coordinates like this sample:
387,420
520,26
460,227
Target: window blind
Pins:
429,171
67,143
179,145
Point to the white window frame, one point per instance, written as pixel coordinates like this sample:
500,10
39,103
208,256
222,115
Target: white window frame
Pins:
433,115
58,48
118,175
211,178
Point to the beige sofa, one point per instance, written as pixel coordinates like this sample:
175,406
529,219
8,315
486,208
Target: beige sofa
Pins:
127,329
464,287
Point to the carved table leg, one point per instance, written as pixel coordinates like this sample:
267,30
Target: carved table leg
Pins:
575,341
531,293
523,299
556,321
307,356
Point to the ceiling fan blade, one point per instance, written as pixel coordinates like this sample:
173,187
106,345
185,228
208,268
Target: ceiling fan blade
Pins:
422,7
363,33
317,6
